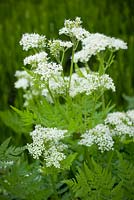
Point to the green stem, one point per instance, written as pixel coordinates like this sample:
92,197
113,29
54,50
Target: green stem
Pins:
71,69
101,65
110,159
58,60
110,61
87,67
103,101
53,181
62,58
47,86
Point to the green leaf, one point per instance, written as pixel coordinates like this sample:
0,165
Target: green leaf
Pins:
96,183
8,153
26,116
66,163
13,121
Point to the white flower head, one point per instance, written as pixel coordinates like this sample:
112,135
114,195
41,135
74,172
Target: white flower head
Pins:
47,143
99,135
117,44
56,46
47,70
73,23
89,83
33,40
96,42
53,157
130,114
24,80
115,118
73,28
123,129
35,59
106,82
121,123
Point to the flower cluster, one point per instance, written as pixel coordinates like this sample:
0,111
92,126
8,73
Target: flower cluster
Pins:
47,70
95,43
73,28
24,80
89,83
35,59
130,115
121,123
118,124
33,40
56,46
100,135
46,143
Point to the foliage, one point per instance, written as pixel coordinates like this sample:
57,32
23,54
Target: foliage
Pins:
95,183
9,153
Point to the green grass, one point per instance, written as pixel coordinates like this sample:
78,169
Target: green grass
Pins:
113,18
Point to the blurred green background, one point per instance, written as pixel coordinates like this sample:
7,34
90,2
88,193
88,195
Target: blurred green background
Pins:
113,18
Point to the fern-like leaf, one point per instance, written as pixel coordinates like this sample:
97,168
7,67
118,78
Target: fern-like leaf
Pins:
96,183
9,152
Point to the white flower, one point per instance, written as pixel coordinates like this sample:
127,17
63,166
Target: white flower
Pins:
124,129
87,139
73,29
22,83
79,33
107,82
46,143
94,43
35,59
58,45
120,123
115,118
53,157
24,80
47,70
29,94
117,44
130,114
53,134
89,83
103,137
58,85
82,56
99,135
32,40
69,24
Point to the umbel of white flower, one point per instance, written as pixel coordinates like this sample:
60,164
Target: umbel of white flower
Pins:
33,40
100,135
116,124
47,144
73,28
96,42
24,80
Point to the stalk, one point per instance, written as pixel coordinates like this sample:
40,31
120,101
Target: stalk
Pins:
71,69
